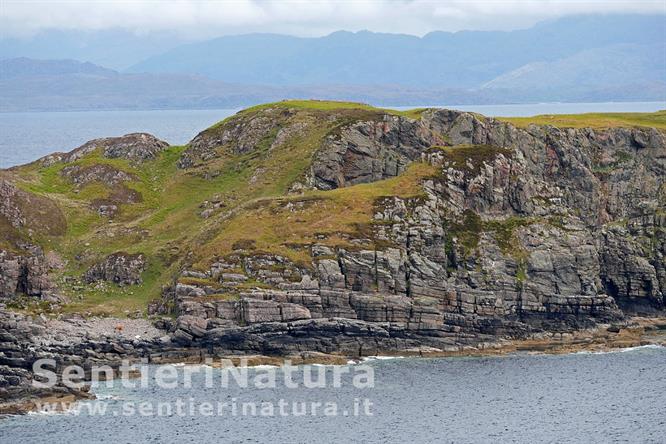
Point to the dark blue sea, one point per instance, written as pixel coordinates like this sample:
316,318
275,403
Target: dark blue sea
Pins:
614,397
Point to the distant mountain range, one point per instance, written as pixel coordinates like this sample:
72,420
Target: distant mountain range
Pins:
439,59
584,58
68,85
116,48
42,85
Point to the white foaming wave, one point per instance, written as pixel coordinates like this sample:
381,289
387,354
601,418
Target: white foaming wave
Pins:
620,350
639,347
381,358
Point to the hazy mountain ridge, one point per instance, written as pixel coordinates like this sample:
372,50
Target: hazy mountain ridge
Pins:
38,85
23,67
116,48
577,59
99,88
598,67
439,59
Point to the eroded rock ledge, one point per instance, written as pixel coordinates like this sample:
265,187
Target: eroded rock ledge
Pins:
95,342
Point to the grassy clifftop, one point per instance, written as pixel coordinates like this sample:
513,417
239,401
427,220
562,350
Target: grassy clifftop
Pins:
189,216
245,193
593,120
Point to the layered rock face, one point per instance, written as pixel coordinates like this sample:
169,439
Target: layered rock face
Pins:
520,231
512,231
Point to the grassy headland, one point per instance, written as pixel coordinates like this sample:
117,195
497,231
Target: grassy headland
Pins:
249,193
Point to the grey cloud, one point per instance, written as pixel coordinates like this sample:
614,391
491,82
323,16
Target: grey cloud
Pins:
206,18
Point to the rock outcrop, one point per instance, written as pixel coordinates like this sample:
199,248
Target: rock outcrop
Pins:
137,147
102,173
522,230
119,268
241,134
370,151
108,176
26,274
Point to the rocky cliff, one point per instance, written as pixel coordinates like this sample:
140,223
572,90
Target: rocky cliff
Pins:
335,227
513,231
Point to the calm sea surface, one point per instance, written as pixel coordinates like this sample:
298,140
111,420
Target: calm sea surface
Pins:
25,137
578,398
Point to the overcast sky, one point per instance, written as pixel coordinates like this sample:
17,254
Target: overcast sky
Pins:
207,18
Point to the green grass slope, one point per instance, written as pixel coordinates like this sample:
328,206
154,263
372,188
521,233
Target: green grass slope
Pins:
248,193
593,120
166,224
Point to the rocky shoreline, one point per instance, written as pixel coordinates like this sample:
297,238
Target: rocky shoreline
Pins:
89,342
